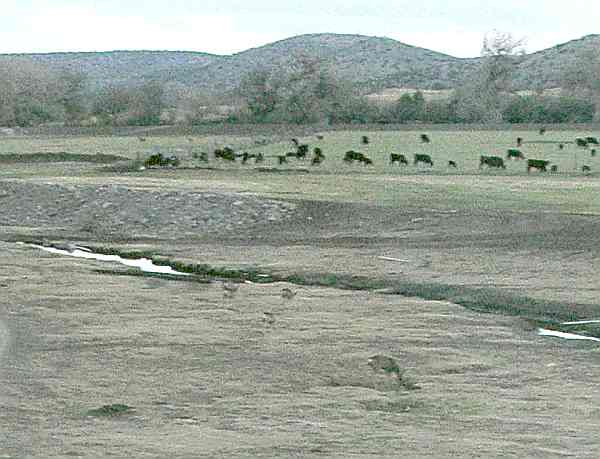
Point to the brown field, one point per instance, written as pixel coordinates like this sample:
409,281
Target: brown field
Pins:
449,273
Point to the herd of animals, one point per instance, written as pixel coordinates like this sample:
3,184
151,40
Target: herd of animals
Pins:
301,151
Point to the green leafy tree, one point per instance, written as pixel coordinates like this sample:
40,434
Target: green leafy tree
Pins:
409,107
439,111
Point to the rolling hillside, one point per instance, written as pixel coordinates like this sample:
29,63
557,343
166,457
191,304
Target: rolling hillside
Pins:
368,61
371,63
120,67
544,68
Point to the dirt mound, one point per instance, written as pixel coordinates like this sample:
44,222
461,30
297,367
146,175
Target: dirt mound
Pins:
111,209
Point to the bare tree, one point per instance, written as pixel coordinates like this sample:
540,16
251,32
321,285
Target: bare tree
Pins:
29,93
306,92
499,51
73,96
483,97
259,91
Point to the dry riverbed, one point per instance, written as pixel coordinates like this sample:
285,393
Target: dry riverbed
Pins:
207,374
188,368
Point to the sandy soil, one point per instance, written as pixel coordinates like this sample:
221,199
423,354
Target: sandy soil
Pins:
116,211
208,374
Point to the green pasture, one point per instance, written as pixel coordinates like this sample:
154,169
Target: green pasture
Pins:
443,192
462,147
440,187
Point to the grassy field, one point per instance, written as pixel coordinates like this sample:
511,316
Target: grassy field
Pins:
463,147
449,272
468,186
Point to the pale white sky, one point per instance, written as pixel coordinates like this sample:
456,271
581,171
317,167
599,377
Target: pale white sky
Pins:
227,26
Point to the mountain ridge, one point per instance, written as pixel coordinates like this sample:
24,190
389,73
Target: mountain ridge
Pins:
369,62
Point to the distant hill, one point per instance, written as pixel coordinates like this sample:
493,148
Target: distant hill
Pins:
371,63
543,69
120,67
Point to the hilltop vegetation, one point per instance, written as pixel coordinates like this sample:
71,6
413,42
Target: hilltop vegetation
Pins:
376,62
303,79
116,67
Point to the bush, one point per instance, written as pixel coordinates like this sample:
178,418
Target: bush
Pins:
535,109
115,409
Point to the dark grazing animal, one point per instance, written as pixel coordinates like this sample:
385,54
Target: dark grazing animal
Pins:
351,156
452,164
317,160
398,158
424,138
519,141
319,137
295,141
542,130
554,168
514,153
226,154
491,161
539,164
423,158
318,156
302,151
245,156
159,160
586,168
591,140
154,160
593,152
581,142
281,159
258,157
201,156
364,140
561,146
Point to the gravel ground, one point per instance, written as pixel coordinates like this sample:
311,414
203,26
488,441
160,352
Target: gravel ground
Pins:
111,209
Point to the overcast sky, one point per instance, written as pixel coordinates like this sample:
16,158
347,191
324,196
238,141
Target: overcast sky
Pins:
455,27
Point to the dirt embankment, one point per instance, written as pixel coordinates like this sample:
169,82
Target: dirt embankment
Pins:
119,210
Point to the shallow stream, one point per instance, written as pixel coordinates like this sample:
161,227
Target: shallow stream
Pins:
144,264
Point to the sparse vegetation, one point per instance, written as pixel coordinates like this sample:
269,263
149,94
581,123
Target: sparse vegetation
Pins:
397,406
58,157
116,409
281,358
302,89
488,300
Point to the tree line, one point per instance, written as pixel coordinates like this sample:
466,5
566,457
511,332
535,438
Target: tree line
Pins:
307,91
31,95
